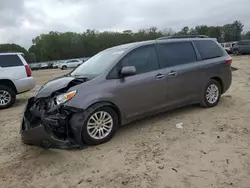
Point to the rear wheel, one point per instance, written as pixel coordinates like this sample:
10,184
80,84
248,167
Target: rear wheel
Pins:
236,52
64,67
7,97
211,94
100,125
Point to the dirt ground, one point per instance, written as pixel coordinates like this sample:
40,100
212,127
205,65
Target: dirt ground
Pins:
212,149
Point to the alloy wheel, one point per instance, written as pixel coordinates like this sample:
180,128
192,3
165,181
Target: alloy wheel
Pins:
100,125
212,93
5,98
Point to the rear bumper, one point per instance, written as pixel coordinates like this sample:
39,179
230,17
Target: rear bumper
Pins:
39,130
227,81
25,84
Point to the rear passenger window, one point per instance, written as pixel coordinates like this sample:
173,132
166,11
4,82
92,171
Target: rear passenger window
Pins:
10,61
244,43
143,59
178,53
208,49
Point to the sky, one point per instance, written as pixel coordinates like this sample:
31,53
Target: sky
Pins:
23,20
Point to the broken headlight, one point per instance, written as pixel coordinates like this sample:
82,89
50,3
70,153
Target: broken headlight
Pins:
65,97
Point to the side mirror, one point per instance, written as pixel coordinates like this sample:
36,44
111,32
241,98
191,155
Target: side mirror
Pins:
128,71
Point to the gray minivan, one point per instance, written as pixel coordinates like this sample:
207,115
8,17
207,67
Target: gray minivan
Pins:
122,84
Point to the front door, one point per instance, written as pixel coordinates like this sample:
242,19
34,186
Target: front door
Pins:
144,92
72,64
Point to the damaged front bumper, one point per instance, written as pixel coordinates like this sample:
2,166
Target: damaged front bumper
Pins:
50,129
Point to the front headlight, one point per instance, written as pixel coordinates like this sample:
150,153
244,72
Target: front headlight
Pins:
65,97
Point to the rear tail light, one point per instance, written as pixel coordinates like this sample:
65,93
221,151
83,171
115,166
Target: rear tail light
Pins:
229,61
28,71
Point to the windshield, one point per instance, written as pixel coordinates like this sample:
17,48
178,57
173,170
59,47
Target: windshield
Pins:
98,63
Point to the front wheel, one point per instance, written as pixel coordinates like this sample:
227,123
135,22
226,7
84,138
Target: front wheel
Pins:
211,94
100,125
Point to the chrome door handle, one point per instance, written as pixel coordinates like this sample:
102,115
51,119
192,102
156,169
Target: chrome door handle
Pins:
159,76
172,73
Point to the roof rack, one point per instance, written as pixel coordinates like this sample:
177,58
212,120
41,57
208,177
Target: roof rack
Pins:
11,53
183,36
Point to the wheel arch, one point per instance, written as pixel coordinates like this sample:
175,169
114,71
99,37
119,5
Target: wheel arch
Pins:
64,66
218,79
77,118
111,105
8,83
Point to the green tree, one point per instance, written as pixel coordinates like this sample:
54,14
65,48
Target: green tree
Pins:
57,46
246,36
184,31
202,30
17,48
232,32
215,32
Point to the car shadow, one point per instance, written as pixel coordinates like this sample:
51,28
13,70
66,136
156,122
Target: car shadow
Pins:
169,114
20,102
234,68
176,114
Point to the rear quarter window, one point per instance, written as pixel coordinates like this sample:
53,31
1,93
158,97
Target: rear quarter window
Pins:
10,61
208,49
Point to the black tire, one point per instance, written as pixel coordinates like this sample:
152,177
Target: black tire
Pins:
236,52
92,110
64,67
12,95
205,102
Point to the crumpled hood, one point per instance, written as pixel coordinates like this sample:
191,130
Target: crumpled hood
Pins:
54,85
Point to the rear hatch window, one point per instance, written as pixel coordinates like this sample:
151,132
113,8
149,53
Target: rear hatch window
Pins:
10,61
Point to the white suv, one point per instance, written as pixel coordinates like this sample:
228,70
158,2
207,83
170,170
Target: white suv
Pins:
15,78
70,64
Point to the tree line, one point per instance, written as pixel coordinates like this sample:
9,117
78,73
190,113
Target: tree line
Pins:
58,46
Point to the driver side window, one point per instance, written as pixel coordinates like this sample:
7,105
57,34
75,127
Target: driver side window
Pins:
144,59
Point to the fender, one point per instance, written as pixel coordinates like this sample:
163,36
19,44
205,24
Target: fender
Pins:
91,99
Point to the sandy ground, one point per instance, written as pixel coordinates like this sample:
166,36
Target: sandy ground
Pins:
212,150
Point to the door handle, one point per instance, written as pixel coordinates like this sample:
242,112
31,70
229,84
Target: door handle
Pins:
172,73
159,76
